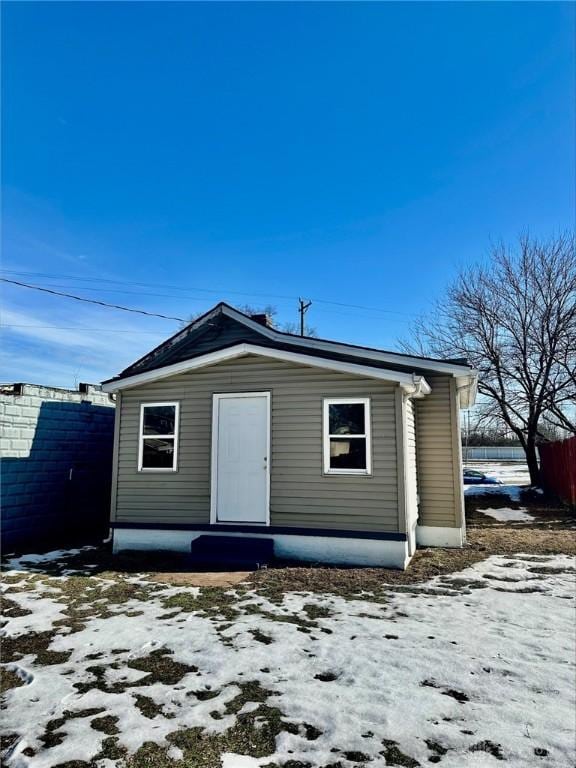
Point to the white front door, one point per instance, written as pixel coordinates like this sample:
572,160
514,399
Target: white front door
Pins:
240,458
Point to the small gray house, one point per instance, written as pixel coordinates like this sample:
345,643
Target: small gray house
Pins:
339,453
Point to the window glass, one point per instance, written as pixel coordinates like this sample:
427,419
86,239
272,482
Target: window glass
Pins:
159,419
158,454
158,436
348,454
346,418
347,446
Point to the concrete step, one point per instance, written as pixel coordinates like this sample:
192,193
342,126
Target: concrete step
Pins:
244,553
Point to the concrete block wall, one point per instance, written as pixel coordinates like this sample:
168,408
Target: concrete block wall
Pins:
55,463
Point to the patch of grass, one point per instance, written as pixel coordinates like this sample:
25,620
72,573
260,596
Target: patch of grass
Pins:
394,756
13,578
204,695
460,696
326,677
316,611
437,749
7,741
509,541
550,570
210,601
488,746
370,583
53,734
87,598
14,648
357,757
303,624
98,673
297,764
261,637
249,691
106,724
311,732
9,679
254,733
12,610
148,706
161,668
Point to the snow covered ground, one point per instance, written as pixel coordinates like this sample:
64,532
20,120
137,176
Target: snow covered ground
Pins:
505,515
471,669
508,472
513,476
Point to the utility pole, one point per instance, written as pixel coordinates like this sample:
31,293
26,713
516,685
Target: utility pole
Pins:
302,309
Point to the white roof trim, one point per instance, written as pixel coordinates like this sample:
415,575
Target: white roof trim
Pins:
412,384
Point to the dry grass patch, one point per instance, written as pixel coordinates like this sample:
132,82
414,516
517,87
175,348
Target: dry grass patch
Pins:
425,565
547,512
509,541
9,679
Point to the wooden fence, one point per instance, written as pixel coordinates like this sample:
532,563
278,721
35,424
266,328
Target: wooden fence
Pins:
558,468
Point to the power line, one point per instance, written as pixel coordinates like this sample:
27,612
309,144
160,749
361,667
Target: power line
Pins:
131,293
75,328
52,275
92,301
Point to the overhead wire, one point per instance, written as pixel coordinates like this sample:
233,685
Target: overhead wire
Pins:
51,276
92,301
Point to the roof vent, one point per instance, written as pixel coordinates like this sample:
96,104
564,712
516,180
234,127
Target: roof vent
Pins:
262,319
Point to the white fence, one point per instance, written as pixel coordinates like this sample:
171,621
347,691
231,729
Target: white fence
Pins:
484,452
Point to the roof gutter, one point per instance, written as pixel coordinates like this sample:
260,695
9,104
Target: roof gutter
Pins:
418,388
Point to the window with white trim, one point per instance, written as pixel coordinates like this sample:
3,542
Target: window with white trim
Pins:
158,443
347,445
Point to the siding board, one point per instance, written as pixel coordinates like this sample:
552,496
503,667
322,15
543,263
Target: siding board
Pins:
438,466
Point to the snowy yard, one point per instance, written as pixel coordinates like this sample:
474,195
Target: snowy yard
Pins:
473,668
507,472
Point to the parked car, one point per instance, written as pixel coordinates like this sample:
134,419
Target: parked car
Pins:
473,477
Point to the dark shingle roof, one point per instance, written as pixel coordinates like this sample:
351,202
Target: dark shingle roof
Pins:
224,327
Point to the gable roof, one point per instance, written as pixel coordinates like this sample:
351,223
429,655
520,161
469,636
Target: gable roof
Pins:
224,327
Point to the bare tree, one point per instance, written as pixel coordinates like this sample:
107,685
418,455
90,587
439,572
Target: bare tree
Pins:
514,318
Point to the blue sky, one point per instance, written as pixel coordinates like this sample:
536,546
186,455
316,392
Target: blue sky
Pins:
184,153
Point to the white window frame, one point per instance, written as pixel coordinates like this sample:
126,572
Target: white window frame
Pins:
367,435
142,437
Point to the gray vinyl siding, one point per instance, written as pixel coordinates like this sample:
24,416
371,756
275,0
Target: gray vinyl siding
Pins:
438,462
301,495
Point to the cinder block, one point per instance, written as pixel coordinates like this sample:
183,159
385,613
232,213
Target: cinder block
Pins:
10,432
28,411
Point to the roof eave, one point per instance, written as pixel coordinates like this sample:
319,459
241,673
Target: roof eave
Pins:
412,384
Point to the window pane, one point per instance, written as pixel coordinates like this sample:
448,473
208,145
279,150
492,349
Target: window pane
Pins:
158,454
346,419
159,419
347,454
